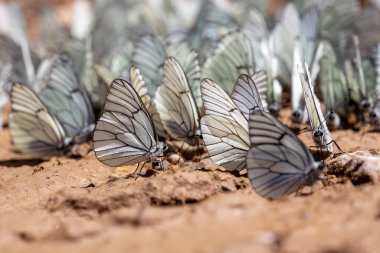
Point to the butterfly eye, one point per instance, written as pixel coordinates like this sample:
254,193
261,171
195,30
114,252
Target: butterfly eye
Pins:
365,104
321,166
318,134
296,114
373,114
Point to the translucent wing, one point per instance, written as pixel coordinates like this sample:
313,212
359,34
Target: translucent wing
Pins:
149,56
321,134
66,100
246,95
278,163
188,58
227,142
125,133
284,36
217,102
224,128
96,89
138,84
255,26
232,57
176,104
33,129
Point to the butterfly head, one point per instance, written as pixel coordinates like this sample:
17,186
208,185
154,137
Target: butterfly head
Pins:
365,105
315,174
374,116
299,116
274,108
333,121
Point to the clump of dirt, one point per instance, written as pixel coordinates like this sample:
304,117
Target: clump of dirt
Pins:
161,189
359,167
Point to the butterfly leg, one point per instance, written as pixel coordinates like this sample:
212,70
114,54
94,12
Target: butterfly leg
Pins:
138,170
336,144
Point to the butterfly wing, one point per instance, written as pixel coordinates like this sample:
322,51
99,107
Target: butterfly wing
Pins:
149,56
314,111
175,102
33,129
125,133
232,57
188,59
227,142
217,102
138,84
224,128
66,100
278,163
246,95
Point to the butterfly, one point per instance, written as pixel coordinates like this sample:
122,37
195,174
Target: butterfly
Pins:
375,113
278,163
320,133
125,133
177,108
333,86
233,55
61,109
304,50
224,126
149,57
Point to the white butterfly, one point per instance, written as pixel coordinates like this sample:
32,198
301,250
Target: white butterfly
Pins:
177,107
125,133
278,163
150,54
225,126
375,113
320,133
54,119
333,86
304,50
34,130
233,56
138,83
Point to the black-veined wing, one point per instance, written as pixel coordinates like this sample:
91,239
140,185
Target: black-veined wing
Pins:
177,107
224,128
232,57
137,82
284,35
33,129
125,133
217,102
65,98
278,163
333,86
149,56
246,95
226,141
188,58
320,133
304,50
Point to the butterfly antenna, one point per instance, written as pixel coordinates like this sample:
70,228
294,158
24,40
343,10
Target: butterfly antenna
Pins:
325,118
304,130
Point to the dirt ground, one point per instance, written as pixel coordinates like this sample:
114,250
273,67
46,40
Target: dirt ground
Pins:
80,205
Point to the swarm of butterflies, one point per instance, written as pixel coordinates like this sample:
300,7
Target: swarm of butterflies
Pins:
190,76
